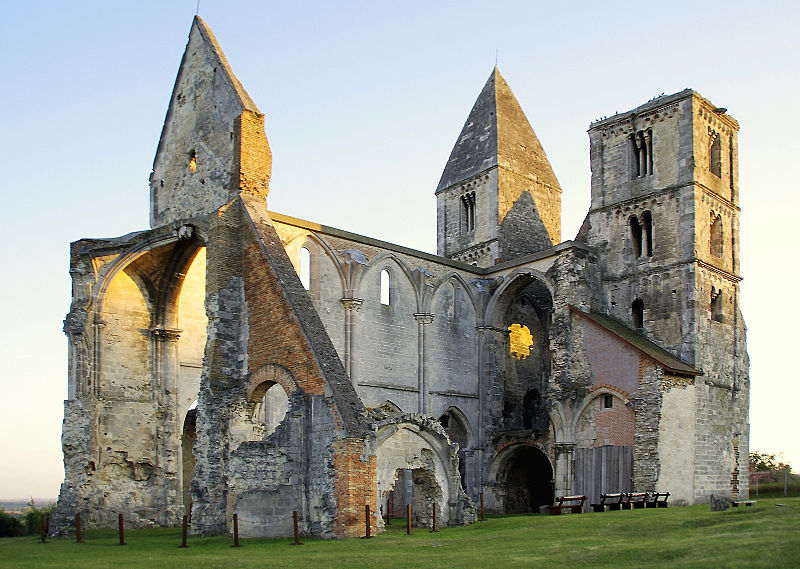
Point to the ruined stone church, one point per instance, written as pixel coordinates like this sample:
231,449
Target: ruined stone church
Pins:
233,360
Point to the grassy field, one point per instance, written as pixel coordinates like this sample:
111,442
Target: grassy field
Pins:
765,535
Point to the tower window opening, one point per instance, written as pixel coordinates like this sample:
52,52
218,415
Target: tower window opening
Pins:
716,305
647,222
636,236
608,401
192,161
730,167
715,241
305,268
385,278
637,313
715,159
468,212
642,153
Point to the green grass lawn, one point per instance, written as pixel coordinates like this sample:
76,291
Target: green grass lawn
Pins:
765,535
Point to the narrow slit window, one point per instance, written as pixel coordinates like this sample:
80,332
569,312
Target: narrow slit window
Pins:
715,158
647,223
636,236
715,242
637,313
716,305
385,278
305,268
608,401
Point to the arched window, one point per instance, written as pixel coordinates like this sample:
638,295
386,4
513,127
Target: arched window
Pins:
715,158
305,268
636,236
647,222
637,313
385,278
715,242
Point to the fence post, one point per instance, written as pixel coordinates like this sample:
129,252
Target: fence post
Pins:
44,529
434,519
78,537
296,529
785,481
482,511
183,533
408,519
121,530
235,530
366,522
390,507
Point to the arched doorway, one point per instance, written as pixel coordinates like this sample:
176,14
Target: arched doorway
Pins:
188,436
526,479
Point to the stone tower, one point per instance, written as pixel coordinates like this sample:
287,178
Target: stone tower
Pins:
498,197
665,221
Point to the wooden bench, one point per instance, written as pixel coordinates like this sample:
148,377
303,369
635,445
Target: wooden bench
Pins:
738,503
658,500
572,503
613,501
635,500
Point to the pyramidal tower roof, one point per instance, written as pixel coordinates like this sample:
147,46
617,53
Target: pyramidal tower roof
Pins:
497,133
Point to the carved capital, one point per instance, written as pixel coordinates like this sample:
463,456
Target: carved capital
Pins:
352,303
166,334
423,317
564,448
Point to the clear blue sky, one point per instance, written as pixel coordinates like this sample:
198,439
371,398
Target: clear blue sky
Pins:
363,102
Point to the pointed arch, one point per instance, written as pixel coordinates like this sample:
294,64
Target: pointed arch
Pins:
381,262
446,278
317,242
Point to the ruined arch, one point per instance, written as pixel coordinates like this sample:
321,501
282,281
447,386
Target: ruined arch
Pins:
523,311
416,453
522,477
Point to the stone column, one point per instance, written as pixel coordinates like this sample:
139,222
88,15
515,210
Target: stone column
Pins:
422,319
165,367
564,475
350,305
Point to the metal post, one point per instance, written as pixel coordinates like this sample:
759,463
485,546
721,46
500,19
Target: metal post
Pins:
390,508
434,519
296,529
366,522
483,513
121,530
183,533
236,530
190,511
44,528
408,519
78,537
785,481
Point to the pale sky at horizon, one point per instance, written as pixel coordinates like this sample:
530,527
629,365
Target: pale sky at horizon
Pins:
363,103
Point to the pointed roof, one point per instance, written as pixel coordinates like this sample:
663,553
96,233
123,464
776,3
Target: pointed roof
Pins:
496,133
215,51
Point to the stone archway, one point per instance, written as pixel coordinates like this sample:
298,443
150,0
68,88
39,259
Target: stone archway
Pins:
417,465
188,436
525,478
